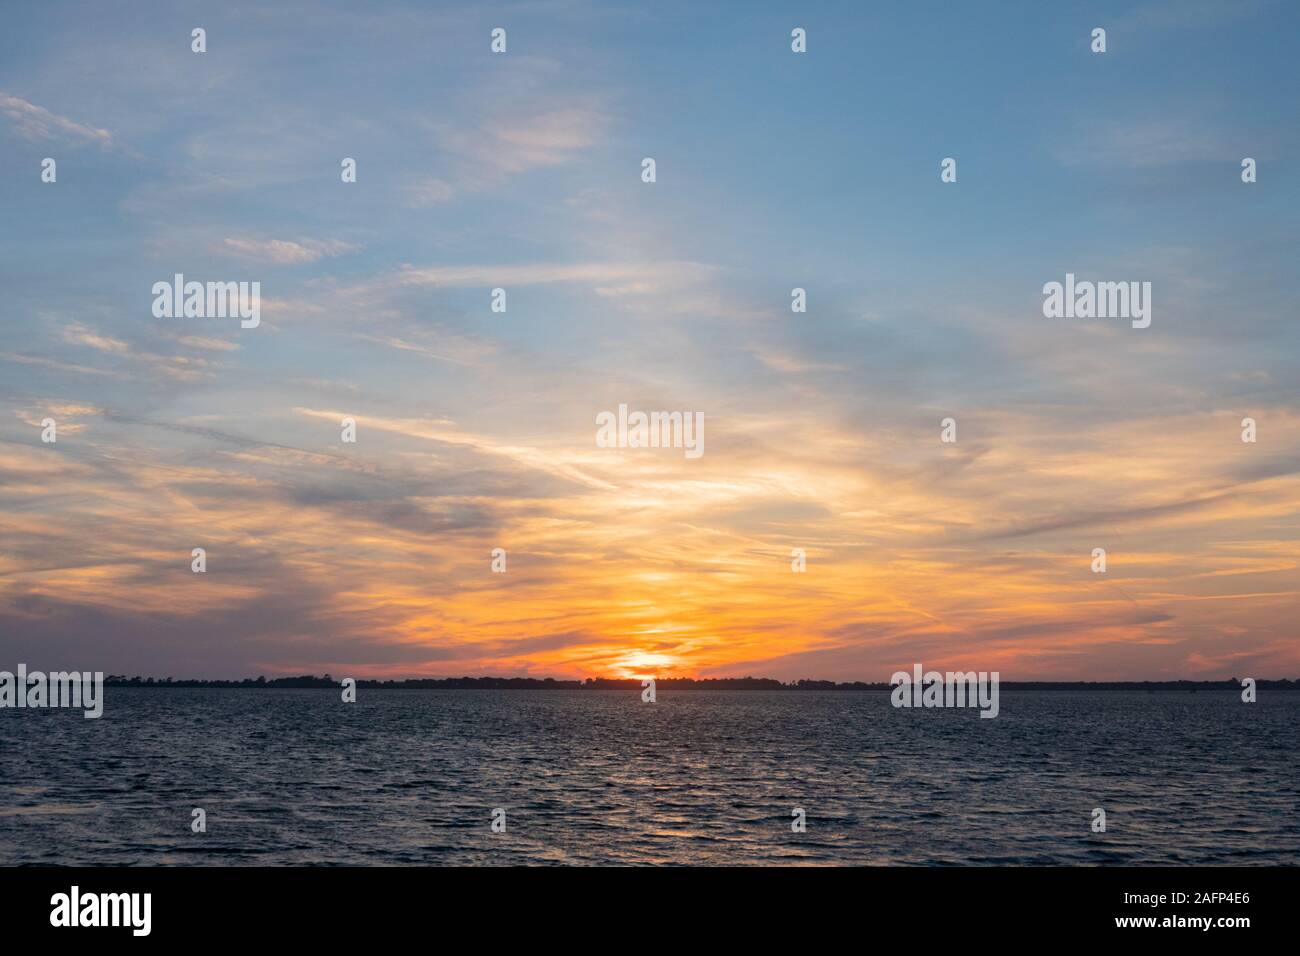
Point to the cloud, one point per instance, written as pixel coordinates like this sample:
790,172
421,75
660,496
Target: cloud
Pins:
36,122
206,343
285,251
517,142
65,414
792,364
430,192
78,334
1144,143
440,430
546,139
449,348
637,277
180,368
53,364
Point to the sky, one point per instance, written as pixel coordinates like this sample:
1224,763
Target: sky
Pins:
476,429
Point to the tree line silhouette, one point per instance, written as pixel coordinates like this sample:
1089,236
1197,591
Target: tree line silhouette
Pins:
663,683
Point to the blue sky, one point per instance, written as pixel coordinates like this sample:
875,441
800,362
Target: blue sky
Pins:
522,171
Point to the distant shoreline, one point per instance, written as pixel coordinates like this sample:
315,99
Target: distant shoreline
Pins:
665,683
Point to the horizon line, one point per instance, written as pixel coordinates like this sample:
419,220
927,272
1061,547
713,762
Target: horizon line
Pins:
759,683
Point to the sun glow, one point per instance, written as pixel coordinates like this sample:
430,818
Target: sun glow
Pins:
642,664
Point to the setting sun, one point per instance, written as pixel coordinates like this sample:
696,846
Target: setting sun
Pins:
643,664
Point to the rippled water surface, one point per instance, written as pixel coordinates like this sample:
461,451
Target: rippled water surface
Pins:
411,777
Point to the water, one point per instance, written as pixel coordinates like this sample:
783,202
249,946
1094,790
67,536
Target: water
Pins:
700,777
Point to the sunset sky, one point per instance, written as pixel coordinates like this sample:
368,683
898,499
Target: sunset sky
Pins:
476,430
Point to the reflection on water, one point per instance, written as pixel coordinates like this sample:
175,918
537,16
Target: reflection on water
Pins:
296,776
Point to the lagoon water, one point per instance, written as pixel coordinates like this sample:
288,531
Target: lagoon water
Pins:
700,777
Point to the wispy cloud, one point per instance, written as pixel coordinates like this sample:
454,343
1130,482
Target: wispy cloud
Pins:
512,142
285,251
78,334
635,277
1142,143
37,123
430,192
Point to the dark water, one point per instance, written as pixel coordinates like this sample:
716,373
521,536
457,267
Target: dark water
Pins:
412,777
